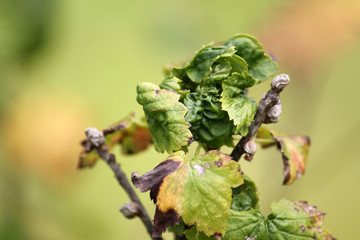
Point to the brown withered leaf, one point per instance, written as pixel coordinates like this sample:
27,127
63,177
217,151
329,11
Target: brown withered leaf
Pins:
294,149
130,133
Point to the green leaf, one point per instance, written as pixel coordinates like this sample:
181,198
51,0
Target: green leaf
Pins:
238,64
200,67
288,220
178,229
245,197
165,116
294,149
260,65
220,70
246,224
197,190
173,83
131,134
193,234
209,123
240,108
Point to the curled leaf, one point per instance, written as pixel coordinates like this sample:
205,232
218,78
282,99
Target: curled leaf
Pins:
212,87
209,123
288,220
260,65
294,149
200,67
198,190
165,116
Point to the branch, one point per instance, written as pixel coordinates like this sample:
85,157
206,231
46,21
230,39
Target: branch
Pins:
96,138
268,112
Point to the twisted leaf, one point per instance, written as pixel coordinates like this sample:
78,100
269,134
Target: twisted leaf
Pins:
209,123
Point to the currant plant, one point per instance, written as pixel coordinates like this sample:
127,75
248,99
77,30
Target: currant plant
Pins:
205,103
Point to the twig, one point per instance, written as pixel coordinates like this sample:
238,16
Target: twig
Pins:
268,111
98,140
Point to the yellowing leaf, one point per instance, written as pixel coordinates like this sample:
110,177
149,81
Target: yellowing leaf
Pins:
294,149
165,116
198,190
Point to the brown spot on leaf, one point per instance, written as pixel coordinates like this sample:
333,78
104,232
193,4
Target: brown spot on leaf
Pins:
218,163
316,215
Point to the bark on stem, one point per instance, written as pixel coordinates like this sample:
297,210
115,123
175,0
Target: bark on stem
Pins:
97,139
266,103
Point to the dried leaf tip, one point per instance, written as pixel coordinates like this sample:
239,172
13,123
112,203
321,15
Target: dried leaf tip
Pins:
280,81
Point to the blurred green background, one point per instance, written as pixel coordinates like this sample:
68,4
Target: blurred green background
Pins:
67,65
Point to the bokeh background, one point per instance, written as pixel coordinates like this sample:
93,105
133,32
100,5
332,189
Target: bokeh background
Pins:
67,65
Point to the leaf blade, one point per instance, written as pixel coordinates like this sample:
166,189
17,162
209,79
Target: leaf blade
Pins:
260,65
198,190
240,108
288,220
165,116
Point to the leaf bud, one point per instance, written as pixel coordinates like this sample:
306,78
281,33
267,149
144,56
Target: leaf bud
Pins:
250,149
130,210
274,113
280,81
94,136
